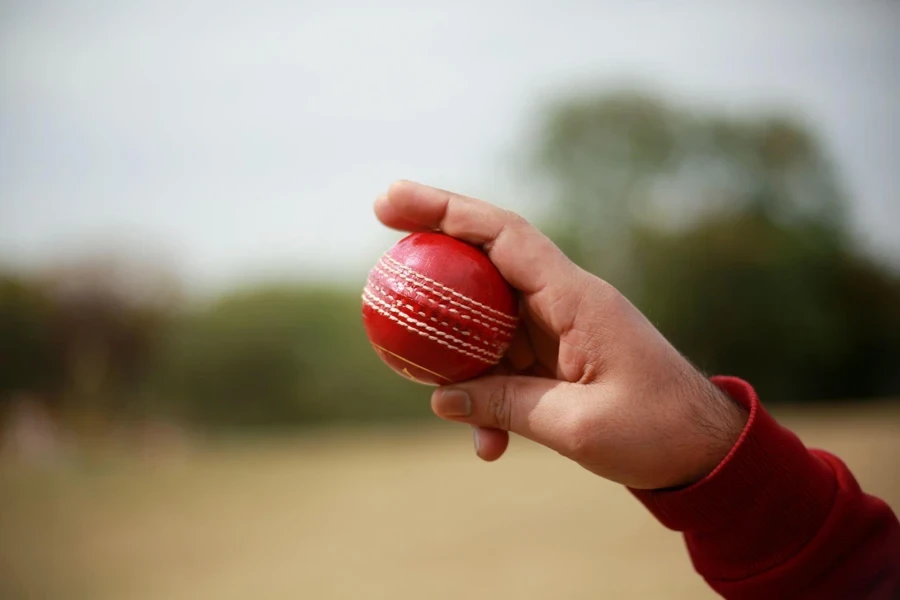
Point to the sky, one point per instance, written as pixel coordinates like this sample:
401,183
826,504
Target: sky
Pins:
237,140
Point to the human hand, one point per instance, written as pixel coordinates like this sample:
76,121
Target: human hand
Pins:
587,374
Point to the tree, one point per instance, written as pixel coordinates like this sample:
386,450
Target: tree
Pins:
80,338
281,356
622,160
27,361
731,234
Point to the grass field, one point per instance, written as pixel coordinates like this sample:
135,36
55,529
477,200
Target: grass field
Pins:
372,514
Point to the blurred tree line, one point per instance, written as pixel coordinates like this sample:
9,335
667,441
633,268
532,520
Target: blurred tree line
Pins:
97,355
730,232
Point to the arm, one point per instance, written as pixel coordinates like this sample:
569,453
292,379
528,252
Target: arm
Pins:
590,377
775,520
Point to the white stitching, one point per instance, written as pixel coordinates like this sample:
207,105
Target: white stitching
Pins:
368,295
399,302
425,334
388,277
409,275
499,313
431,290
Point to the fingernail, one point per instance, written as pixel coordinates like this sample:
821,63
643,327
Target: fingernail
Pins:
477,439
453,403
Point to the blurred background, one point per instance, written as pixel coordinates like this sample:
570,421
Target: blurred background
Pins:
188,405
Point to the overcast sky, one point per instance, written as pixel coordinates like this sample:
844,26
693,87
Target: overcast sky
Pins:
250,138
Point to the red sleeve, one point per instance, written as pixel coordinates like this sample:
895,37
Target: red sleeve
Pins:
776,520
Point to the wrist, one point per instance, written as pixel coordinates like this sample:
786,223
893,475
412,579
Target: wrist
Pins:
768,478
714,423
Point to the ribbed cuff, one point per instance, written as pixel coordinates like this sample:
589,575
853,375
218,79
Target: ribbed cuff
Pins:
769,492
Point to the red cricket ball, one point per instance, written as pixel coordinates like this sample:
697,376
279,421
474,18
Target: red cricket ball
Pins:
437,311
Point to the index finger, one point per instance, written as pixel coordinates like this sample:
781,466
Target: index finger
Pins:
526,258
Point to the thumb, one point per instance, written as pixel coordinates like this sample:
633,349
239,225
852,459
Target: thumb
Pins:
540,409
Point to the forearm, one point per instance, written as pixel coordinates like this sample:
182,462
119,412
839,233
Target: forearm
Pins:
776,520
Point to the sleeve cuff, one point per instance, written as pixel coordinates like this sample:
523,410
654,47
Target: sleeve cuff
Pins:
769,491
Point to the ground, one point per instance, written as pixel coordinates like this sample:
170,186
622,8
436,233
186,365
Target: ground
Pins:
366,514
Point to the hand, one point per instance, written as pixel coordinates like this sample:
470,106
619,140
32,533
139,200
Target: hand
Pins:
587,375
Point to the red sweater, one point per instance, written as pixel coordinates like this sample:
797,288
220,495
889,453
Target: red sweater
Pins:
776,520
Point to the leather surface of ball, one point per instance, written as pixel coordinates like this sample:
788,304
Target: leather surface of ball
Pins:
437,311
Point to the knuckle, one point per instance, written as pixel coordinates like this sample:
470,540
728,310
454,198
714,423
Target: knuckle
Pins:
606,293
500,406
514,219
509,222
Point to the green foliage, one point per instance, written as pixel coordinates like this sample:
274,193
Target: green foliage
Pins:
775,305
730,233
26,355
616,161
597,151
281,356
267,357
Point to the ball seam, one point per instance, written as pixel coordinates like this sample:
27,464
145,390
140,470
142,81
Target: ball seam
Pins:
424,286
400,301
440,285
371,297
427,335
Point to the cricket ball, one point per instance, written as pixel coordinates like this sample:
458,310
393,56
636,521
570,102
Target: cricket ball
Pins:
437,310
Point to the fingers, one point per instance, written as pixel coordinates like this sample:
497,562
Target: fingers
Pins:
525,257
394,218
542,410
520,354
490,444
